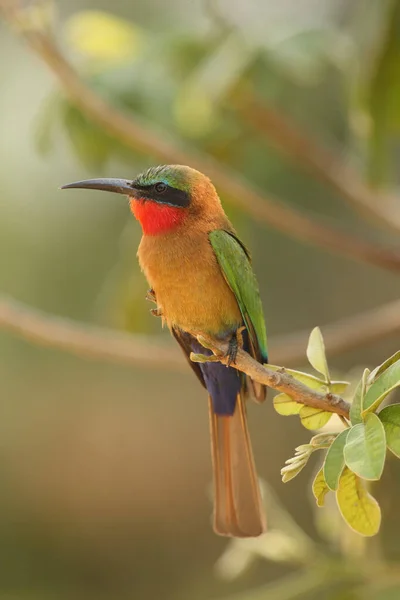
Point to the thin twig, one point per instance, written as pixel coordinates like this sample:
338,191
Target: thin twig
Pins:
278,380
134,134
320,161
100,343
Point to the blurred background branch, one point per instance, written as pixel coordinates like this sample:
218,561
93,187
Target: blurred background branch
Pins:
100,343
85,340
322,162
138,136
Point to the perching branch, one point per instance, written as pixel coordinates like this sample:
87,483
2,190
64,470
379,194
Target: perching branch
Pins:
134,134
278,380
95,342
320,161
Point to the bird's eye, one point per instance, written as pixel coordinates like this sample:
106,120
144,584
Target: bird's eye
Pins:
160,187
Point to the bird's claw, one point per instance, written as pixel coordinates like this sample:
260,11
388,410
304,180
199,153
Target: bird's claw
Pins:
232,350
151,296
235,343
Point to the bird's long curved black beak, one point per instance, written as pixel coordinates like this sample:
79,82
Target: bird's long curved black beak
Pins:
119,186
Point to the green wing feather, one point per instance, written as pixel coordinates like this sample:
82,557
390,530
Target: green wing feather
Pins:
234,261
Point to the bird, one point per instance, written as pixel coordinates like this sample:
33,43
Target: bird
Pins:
201,278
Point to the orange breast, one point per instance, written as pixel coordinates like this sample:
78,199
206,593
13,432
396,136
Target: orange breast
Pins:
190,288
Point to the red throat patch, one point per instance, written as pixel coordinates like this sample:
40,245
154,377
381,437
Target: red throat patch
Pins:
156,218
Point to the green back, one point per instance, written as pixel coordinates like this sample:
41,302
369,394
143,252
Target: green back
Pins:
237,270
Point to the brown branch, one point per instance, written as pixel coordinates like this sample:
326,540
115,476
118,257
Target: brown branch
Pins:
320,161
278,380
87,340
106,344
134,134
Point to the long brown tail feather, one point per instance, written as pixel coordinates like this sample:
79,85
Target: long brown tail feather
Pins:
238,508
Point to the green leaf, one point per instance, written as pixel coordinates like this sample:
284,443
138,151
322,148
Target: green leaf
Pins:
365,449
390,417
334,461
314,418
285,406
358,399
313,382
358,508
384,98
316,353
320,488
383,367
382,386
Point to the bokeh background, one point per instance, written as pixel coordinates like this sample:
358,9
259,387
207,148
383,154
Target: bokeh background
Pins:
105,468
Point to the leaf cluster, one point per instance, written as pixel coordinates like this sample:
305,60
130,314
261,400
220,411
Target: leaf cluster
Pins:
356,455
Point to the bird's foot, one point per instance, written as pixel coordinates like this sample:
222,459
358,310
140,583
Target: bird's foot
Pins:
151,296
232,350
235,343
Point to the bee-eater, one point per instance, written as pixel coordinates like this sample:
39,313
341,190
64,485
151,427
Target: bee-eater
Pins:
203,283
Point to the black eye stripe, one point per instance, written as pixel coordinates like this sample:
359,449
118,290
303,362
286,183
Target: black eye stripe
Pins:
168,195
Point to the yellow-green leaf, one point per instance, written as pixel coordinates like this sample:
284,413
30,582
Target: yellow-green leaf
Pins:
291,471
383,367
334,461
103,37
316,353
313,382
284,405
390,417
356,407
365,449
338,387
314,418
358,508
382,386
319,488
